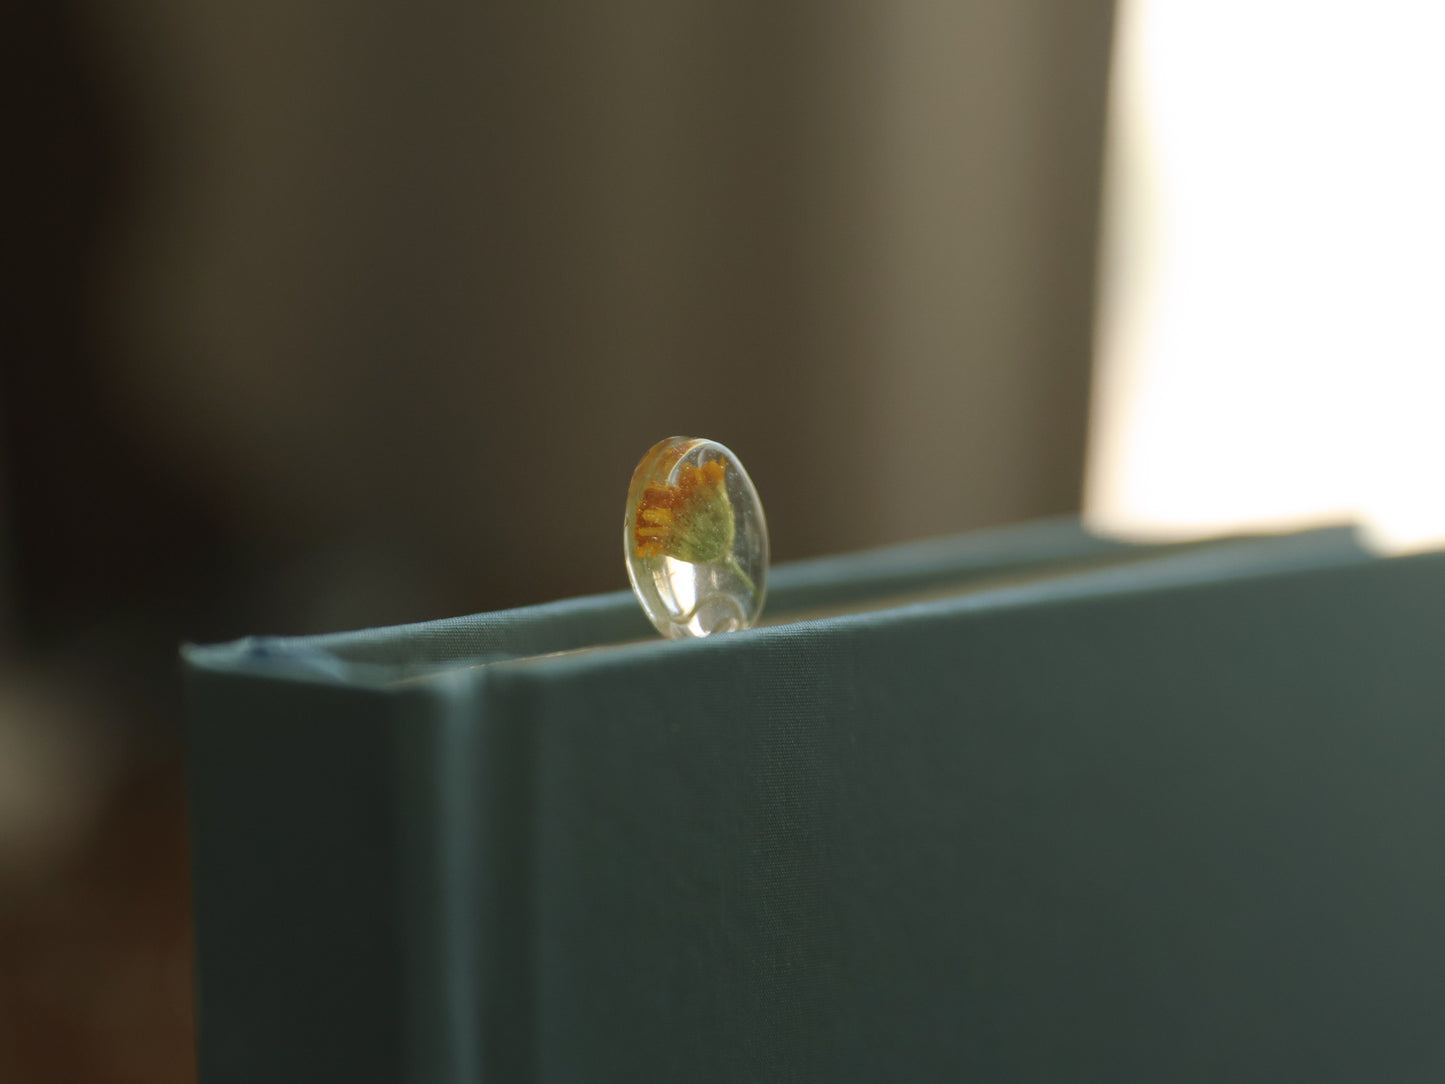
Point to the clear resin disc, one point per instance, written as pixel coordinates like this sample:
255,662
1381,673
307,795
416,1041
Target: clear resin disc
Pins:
696,540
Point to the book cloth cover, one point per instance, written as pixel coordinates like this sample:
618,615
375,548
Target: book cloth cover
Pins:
1109,813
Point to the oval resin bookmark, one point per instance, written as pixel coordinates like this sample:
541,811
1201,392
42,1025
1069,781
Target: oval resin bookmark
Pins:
696,541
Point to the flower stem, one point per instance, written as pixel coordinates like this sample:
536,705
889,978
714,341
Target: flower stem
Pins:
732,563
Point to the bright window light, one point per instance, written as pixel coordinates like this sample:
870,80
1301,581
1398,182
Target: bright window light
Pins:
1271,346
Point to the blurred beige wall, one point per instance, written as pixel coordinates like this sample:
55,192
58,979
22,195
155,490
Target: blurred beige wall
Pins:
407,288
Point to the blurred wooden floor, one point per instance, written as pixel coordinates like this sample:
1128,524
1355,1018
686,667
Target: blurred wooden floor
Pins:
95,964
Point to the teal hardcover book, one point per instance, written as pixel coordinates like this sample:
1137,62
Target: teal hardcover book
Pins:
1022,805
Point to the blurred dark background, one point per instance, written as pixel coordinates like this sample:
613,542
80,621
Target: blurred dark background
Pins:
336,314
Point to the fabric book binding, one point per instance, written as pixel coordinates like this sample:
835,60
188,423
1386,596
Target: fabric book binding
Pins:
1026,804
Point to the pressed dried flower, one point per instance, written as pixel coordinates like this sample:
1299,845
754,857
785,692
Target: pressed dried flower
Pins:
690,521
